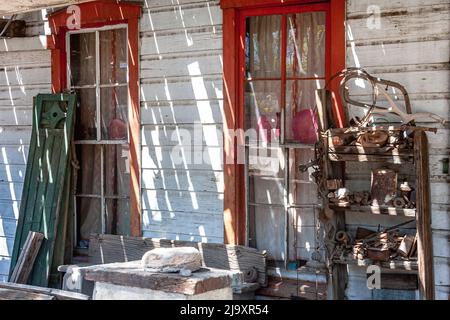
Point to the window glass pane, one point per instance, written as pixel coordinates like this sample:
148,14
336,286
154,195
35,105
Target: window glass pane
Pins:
85,124
305,237
117,170
263,47
305,53
266,170
301,115
89,218
262,111
302,188
265,196
89,173
268,230
82,59
113,56
117,216
114,113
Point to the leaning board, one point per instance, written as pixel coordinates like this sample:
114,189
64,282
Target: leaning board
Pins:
49,155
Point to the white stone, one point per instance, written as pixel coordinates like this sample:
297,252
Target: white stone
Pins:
172,259
109,291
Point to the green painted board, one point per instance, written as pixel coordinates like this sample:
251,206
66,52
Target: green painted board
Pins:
43,191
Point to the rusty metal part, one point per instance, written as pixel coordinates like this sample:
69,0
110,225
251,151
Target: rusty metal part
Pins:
342,237
373,139
334,184
378,254
406,117
383,186
251,275
399,203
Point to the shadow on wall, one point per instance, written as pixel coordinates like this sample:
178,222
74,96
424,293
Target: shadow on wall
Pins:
181,115
24,72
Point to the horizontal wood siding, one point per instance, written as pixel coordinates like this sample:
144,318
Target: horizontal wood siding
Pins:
24,72
181,115
412,46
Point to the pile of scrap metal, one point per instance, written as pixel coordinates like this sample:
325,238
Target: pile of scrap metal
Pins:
384,192
400,139
386,245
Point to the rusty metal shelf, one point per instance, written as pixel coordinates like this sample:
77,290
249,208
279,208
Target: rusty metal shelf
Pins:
410,266
388,211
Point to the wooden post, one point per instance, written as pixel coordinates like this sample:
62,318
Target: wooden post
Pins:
423,217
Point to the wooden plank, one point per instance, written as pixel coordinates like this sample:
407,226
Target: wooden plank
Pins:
360,6
131,274
182,88
110,248
405,23
187,201
11,294
423,217
26,258
25,58
422,52
169,224
197,40
189,180
189,111
163,233
166,157
193,135
294,289
206,14
200,64
57,294
44,179
23,44
22,76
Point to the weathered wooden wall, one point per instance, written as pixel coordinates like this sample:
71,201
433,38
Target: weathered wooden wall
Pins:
411,46
181,89
181,86
24,72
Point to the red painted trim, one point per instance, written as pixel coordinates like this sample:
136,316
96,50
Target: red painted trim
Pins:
283,71
231,193
234,14
226,4
135,127
100,11
337,56
97,14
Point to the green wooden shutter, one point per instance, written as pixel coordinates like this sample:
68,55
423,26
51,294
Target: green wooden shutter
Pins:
48,160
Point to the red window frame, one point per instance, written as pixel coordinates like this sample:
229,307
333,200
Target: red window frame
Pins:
234,14
97,14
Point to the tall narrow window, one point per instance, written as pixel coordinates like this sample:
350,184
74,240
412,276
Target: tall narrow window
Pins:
98,74
284,65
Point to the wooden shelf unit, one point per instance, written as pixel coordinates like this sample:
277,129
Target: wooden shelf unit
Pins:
334,162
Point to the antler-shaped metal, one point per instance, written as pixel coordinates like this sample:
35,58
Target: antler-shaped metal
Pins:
379,84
